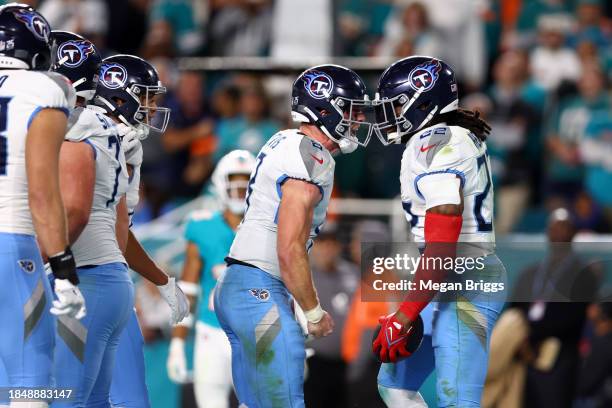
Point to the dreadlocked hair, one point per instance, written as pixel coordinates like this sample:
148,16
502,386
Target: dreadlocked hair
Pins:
466,119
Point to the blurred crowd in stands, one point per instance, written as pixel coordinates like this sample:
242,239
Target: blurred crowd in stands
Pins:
538,70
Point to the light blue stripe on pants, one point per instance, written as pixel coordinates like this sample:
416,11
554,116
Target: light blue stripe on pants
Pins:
254,310
85,349
26,325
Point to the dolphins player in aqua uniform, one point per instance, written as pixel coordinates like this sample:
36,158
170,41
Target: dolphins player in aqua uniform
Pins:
268,265
129,95
34,105
209,237
447,191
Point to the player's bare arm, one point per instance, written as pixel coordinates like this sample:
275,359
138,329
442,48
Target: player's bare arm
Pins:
139,261
44,140
122,224
294,221
77,181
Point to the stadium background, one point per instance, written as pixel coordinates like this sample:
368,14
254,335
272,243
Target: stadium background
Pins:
538,70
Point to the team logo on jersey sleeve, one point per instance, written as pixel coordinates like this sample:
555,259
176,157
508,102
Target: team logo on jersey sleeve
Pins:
74,53
423,77
113,76
318,84
35,23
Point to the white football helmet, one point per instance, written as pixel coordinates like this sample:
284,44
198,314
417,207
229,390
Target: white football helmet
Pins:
231,193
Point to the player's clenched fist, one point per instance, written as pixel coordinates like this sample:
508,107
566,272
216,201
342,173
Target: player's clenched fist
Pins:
394,339
323,327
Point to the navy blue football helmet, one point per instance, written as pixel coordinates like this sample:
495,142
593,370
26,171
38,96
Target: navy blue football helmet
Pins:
78,60
128,88
334,99
411,93
24,38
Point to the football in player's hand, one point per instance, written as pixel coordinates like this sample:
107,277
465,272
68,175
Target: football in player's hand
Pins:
403,346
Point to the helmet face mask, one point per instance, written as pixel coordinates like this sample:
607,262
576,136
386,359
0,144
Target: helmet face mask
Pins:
149,114
129,89
411,92
334,99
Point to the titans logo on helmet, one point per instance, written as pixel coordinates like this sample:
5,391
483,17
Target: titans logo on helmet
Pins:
423,77
35,23
74,53
113,76
318,84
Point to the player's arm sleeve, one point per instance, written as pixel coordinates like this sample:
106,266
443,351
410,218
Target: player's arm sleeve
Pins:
439,189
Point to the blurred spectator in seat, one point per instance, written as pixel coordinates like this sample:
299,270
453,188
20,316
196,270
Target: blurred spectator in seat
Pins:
462,33
511,117
176,27
588,216
360,26
525,35
337,280
188,145
596,153
363,320
252,128
240,28
590,25
302,28
557,289
226,101
551,61
595,379
566,130
409,32
127,26
86,17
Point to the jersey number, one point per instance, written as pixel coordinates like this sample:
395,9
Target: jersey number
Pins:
483,225
114,141
3,140
260,158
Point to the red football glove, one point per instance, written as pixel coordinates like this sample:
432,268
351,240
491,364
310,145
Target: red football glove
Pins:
391,343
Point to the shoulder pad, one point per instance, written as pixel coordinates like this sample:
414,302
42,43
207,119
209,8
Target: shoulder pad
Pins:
64,84
317,160
433,142
83,123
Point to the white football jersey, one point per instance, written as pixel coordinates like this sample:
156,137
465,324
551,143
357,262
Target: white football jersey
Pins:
288,154
97,244
22,95
445,150
133,158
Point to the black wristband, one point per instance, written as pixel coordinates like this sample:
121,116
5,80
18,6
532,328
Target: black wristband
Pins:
63,266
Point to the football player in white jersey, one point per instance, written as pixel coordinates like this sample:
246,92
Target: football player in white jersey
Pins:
34,105
287,199
127,92
447,192
209,237
94,181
